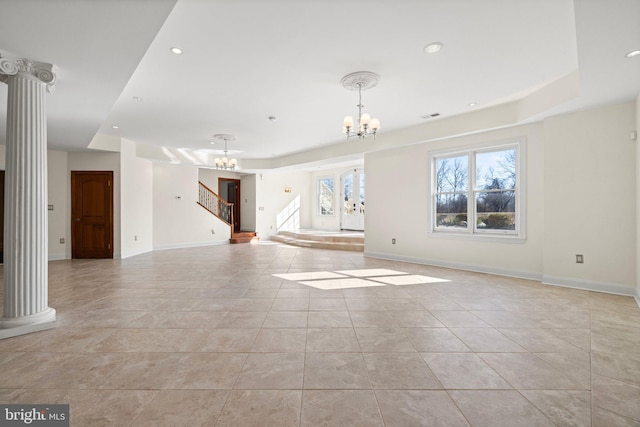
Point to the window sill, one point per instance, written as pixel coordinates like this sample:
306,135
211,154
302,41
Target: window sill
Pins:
484,237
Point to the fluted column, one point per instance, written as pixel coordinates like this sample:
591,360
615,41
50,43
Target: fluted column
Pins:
26,286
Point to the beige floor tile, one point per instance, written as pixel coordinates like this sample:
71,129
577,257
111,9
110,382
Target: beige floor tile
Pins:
576,366
207,371
563,407
486,340
415,319
271,371
464,371
365,304
357,408
433,340
329,319
371,319
290,304
496,408
459,319
230,340
108,407
616,396
621,366
252,304
335,371
613,338
538,340
603,418
332,340
261,408
527,371
188,408
144,371
400,371
383,340
288,340
406,408
198,319
327,304
285,319
242,319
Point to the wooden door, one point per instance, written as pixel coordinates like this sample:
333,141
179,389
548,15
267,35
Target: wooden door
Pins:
92,214
229,190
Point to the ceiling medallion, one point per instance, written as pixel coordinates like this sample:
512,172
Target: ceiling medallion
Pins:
360,80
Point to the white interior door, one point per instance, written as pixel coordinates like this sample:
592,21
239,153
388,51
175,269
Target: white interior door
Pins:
352,216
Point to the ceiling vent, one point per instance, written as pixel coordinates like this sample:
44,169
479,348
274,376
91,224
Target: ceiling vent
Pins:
430,116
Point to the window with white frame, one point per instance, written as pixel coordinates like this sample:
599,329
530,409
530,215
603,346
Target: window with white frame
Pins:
479,191
325,196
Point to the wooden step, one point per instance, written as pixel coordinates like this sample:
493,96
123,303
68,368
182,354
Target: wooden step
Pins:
244,237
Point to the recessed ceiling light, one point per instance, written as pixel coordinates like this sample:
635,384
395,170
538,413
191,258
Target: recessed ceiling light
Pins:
137,98
115,127
473,104
433,47
176,50
212,142
633,53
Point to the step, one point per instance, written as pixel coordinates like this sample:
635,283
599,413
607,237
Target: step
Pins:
321,241
324,236
244,237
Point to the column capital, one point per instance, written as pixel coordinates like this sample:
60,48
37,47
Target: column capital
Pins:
40,71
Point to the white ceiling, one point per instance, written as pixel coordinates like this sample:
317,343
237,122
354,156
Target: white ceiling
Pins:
247,60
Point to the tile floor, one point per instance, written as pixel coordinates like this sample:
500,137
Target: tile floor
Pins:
230,336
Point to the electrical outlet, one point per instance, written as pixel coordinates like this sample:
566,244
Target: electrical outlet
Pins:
135,238
213,231
393,241
579,259
62,241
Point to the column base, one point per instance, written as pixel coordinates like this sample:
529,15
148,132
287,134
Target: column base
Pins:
12,327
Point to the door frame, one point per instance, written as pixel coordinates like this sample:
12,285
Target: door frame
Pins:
74,246
236,204
356,172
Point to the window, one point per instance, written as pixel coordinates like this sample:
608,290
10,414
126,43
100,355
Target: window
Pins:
325,196
478,191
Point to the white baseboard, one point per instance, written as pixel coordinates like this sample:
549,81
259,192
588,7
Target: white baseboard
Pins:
57,257
190,245
609,288
590,285
458,266
129,254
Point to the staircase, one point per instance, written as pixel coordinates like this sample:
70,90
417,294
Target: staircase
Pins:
337,240
223,210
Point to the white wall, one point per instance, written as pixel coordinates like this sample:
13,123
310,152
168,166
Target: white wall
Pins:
271,199
590,193
248,209
136,202
178,221
59,217
98,161
398,190
637,129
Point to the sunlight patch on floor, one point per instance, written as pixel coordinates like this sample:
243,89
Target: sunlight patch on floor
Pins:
341,279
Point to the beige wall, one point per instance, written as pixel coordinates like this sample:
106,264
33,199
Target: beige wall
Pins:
398,193
637,260
137,202
580,178
589,173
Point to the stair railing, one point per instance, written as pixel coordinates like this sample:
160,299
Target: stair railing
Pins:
209,200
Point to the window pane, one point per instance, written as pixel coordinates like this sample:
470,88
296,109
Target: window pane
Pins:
451,210
496,210
325,196
496,170
348,194
452,174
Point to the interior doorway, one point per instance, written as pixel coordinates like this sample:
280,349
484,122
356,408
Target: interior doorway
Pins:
229,191
91,214
352,209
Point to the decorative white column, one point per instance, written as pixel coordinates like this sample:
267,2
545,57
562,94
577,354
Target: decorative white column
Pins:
26,285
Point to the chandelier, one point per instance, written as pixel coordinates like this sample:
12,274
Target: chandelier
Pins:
225,162
360,80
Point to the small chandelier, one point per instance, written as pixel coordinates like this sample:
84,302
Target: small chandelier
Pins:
360,80
225,162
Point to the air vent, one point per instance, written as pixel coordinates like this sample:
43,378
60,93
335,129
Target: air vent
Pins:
430,116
